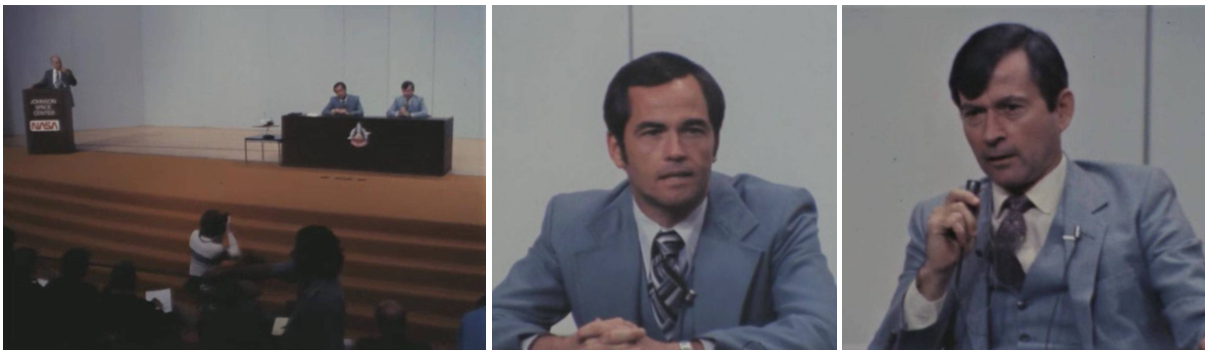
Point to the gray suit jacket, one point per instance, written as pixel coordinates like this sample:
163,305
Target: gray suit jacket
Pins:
759,273
351,102
416,107
68,78
1136,274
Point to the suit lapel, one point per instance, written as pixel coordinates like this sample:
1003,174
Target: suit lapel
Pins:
610,268
1081,198
723,265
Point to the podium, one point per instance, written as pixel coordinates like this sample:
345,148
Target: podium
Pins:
48,126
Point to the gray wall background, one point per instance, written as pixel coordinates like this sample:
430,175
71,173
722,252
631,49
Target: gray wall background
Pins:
552,65
230,66
902,141
101,44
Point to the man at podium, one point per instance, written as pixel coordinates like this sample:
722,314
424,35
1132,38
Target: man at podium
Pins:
58,78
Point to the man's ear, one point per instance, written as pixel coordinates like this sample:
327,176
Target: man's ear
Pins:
615,150
1065,108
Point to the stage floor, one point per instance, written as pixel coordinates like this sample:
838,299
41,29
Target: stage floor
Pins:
469,155
449,199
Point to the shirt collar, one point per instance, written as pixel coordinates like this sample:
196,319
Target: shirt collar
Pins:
1044,195
687,228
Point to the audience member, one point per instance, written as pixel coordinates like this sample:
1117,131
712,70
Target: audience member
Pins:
24,299
128,321
71,304
317,320
392,330
207,249
236,320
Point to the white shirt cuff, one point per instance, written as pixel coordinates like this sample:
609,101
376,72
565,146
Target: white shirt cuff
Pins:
707,343
917,311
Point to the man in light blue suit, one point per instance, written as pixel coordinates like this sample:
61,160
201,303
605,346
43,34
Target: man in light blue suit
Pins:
677,256
343,103
1055,253
409,105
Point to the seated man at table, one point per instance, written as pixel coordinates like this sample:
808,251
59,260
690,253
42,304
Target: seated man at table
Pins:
409,105
343,103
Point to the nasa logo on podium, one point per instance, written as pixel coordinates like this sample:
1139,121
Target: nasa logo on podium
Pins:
51,125
359,137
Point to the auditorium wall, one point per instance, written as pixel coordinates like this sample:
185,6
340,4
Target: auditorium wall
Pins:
101,44
230,66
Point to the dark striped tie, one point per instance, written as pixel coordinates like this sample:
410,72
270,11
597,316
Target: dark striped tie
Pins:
667,288
1006,241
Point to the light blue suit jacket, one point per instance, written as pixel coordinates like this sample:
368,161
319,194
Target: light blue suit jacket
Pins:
416,107
759,273
351,102
1135,276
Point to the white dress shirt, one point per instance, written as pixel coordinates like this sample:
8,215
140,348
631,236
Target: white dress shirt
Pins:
688,229
920,313
210,250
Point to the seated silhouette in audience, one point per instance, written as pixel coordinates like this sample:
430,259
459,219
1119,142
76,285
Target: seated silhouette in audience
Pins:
317,320
392,330
236,320
71,304
23,302
128,321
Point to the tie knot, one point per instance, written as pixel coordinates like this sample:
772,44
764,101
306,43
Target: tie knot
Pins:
669,242
1017,203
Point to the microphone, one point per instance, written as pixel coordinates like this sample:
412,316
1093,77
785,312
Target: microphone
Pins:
1077,234
948,337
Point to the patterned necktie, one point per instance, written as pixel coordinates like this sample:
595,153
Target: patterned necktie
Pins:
1006,241
667,288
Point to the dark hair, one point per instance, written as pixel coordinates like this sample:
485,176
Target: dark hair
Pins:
317,253
213,224
979,55
339,84
74,264
407,84
652,70
122,277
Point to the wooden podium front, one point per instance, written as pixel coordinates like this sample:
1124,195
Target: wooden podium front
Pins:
48,126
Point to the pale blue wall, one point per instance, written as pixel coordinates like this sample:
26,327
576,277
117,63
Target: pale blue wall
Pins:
101,44
229,66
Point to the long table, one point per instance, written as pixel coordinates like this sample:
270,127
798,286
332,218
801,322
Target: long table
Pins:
418,146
